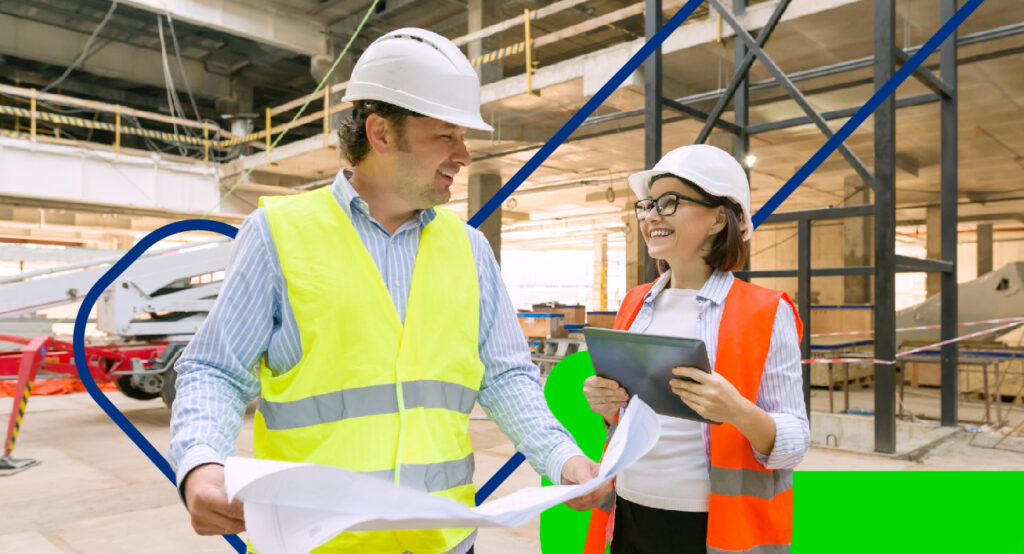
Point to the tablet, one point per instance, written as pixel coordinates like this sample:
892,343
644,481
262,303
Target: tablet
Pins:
643,364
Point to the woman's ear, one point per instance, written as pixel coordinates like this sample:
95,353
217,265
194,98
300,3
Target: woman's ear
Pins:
721,220
377,128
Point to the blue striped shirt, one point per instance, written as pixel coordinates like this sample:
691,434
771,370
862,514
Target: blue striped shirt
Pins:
252,318
781,390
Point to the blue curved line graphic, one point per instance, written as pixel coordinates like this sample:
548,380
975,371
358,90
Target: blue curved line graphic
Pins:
78,341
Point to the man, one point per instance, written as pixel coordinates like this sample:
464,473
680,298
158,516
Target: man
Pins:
376,319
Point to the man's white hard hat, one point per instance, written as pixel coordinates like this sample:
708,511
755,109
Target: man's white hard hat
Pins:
712,169
422,71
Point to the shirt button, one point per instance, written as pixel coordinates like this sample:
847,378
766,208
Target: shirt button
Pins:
397,284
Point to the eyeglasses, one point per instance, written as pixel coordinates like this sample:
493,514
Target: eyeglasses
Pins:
666,204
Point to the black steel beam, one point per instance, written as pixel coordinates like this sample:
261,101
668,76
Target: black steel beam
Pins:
803,295
798,97
652,119
925,75
919,265
948,217
815,272
743,60
699,114
838,212
885,231
836,114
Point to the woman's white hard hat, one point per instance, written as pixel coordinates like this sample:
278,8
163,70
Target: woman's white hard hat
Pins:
422,71
712,169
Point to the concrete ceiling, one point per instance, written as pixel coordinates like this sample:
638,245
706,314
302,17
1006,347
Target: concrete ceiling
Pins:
581,192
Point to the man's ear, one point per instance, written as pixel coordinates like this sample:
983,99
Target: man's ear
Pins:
378,134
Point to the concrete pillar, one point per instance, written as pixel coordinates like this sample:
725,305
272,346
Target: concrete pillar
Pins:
635,245
318,67
482,186
984,248
858,242
483,13
933,224
239,110
599,300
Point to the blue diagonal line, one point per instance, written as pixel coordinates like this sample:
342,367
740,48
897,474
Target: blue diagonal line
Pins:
866,110
577,119
499,477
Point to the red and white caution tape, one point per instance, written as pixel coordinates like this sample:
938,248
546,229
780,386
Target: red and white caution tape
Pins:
919,328
1011,322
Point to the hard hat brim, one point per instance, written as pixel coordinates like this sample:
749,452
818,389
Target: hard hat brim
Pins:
372,91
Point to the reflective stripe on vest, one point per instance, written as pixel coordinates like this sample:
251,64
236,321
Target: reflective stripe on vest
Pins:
366,401
760,549
373,394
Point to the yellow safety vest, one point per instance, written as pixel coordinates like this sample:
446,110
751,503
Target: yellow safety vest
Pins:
371,394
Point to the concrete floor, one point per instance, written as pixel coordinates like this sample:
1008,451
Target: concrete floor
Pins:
96,493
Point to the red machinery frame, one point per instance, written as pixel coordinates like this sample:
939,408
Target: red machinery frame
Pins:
58,357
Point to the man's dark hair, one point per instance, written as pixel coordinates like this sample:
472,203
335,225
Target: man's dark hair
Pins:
352,134
728,249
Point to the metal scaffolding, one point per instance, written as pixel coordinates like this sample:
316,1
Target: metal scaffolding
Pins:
881,180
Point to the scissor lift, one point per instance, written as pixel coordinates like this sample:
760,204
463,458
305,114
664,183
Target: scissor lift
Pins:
150,312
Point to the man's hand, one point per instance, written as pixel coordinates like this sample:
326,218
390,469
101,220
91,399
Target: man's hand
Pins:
208,504
578,470
605,396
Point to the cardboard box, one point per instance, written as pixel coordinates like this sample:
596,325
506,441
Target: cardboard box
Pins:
546,326
574,315
844,318
605,320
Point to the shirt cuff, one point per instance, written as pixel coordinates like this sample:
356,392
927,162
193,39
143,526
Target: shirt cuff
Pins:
790,443
559,455
194,457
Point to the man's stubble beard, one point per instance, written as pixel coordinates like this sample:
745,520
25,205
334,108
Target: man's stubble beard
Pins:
422,196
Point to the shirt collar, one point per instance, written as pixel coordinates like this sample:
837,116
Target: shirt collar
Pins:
715,289
352,203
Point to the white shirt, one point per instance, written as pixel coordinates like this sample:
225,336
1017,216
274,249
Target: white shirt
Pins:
674,474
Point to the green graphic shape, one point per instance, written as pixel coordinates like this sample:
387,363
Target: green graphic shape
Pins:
562,529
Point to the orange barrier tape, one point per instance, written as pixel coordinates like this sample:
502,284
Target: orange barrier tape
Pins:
45,387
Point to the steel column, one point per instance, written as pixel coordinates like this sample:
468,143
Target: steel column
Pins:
652,116
949,184
885,231
741,98
803,296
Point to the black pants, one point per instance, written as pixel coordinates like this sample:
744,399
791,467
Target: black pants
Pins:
643,530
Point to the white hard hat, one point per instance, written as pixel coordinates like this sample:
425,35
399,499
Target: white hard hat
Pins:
712,169
422,71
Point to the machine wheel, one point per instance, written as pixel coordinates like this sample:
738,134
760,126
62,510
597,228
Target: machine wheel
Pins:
131,389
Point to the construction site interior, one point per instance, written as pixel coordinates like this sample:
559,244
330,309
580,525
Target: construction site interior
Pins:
903,250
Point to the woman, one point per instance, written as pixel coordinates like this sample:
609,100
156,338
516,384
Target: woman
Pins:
709,488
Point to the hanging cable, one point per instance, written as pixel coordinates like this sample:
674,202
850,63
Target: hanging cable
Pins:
168,80
181,67
85,51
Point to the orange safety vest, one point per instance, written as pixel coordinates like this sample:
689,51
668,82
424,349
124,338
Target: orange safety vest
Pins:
751,507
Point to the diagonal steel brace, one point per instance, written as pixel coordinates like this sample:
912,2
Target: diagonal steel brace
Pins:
794,92
740,73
